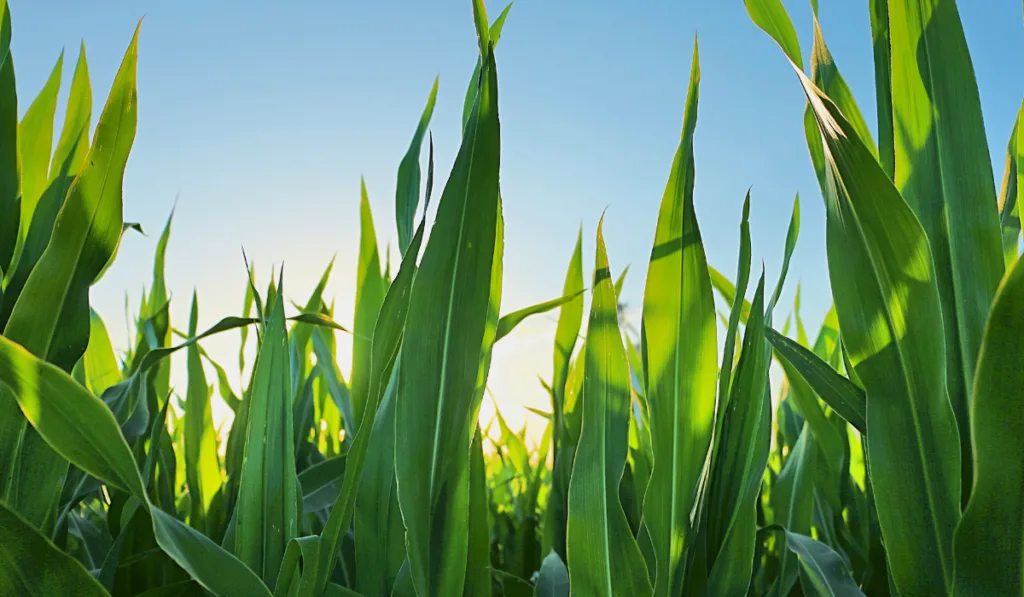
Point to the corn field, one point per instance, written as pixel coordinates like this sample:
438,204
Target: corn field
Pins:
890,460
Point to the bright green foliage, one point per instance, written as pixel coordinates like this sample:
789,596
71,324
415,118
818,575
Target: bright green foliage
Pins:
603,557
443,344
989,543
679,352
887,461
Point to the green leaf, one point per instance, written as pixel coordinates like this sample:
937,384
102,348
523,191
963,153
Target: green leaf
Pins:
823,572
508,322
443,344
205,561
202,471
335,382
492,36
738,462
79,427
792,501
944,172
379,534
387,338
10,185
771,16
889,311
51,316
570,318
268,492
35,142
841,394
67,163
32,566
679,348
73,144
407,193
553,578
370,290
1009,208
604,558
880,42
989,546
478,565
99,363
321,483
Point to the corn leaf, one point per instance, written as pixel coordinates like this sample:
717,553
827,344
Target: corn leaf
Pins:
444,340
822,571
10,185
1009,192
268,492
552,578
888,307
880,43
989,546
841,394
379,533
741,453
792,502
34,567
478,565
944,172
679,348
35,142
202,471
508,322
67,163
407,193
485,35
98,362
370,290
51,316
387,338
604,558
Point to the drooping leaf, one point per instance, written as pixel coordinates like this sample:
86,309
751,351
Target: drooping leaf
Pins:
508,322
34,567
51,315
823,572
888,306
841,394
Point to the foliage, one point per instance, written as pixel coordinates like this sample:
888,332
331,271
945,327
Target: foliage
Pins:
888,463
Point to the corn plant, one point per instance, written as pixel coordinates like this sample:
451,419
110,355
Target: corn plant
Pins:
884,464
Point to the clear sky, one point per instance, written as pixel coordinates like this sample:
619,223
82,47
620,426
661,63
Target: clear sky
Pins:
262,116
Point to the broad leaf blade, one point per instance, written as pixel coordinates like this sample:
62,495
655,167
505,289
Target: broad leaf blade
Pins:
604,558
679,348
444,341
944,172
34,567
989,546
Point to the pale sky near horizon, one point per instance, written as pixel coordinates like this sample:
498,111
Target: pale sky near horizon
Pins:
261,119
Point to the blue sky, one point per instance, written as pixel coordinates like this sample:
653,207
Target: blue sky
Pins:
261,119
